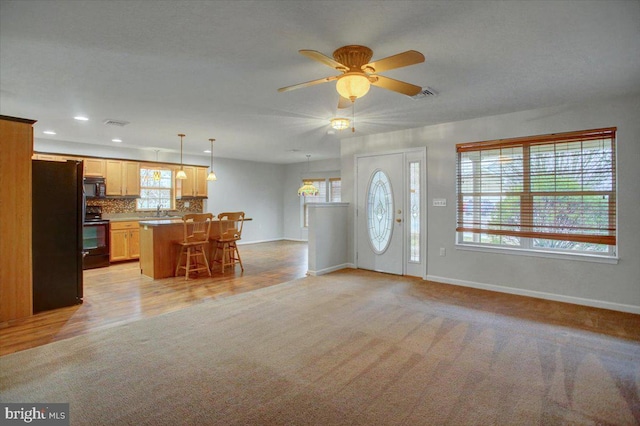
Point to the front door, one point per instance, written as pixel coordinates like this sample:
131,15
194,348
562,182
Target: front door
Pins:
380,217
390,218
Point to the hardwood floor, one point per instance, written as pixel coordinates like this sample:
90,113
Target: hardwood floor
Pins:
119,294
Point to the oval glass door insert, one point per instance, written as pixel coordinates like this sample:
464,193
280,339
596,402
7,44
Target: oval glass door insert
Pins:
379,211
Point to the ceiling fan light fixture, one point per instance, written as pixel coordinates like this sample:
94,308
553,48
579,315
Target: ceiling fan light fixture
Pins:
339,123
353,85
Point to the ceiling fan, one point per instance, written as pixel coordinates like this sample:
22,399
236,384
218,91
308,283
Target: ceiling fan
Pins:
358,74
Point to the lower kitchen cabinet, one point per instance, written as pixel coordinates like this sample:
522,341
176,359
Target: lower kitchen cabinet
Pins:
125,241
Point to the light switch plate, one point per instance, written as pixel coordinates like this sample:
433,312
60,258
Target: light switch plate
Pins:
440,202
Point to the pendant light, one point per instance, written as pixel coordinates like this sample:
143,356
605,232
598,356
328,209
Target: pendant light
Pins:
307,187
212,174
181,174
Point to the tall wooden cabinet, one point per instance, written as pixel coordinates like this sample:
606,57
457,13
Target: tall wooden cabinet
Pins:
16,146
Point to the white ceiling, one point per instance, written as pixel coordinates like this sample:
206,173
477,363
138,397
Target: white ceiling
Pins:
211,69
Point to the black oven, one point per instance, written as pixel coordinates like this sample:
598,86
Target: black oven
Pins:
95,243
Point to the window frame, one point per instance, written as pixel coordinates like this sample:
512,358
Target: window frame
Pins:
524,230
154,167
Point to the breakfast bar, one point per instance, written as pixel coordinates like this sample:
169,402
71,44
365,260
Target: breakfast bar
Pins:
158,248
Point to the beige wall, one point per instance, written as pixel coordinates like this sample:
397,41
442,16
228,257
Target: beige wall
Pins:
614,286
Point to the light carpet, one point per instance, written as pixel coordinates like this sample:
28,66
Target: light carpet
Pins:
332,350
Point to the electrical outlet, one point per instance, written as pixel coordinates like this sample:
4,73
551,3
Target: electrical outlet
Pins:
439,202
443,251
187,204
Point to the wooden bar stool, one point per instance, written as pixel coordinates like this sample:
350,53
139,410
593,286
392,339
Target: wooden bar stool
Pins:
195,243
226,242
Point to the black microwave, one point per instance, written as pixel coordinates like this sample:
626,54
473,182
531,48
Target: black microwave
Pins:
95,188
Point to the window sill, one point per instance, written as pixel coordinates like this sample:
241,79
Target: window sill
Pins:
581,257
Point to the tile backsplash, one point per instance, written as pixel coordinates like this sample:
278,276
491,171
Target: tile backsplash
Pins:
128,205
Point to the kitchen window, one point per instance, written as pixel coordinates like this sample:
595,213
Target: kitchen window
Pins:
551,193
156,189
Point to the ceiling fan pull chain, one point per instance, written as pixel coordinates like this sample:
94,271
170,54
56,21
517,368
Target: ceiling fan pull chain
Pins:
353,116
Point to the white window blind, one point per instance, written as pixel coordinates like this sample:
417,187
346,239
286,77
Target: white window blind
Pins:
557,190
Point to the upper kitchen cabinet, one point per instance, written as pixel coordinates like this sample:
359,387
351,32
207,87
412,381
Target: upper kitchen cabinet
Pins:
186,187
122,178
201,182
195,185
94,167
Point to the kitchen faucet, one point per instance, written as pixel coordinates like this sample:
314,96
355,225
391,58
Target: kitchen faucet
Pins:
158,211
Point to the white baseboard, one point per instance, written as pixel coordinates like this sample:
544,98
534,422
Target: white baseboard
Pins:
330,269
260,241
540,295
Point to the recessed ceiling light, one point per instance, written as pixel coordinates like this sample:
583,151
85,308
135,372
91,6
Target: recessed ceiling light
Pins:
116,140
81,118
49,132
208,151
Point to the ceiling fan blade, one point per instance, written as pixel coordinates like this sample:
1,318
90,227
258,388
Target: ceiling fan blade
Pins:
344,103
410,57
308,83
321,57
396,85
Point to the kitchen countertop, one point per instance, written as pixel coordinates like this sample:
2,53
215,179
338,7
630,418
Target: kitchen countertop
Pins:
171,220
141,218
161,221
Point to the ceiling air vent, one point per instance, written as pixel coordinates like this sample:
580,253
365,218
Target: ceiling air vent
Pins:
426,92
119,123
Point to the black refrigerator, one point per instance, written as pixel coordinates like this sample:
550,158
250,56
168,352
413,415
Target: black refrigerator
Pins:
58,205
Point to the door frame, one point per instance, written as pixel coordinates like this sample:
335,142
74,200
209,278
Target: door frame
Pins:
418,269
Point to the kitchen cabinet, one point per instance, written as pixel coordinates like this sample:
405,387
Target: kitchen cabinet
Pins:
195,185
124,241
201,181
122,178
94,167
186,187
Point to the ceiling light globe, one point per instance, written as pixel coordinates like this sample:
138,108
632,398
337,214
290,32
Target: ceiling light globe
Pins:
353,85
340,123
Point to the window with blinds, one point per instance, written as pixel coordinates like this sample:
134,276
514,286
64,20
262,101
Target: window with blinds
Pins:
552,192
